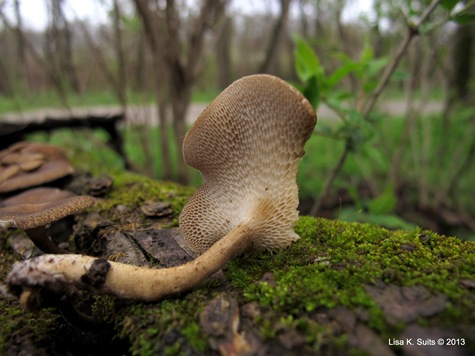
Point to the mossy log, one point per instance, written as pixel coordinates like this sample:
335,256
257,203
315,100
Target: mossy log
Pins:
343,288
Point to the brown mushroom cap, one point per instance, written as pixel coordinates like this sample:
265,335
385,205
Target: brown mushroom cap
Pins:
29,216
47,172
247,144
36,195
25,165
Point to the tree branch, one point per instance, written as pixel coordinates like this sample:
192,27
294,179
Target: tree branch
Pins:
412,31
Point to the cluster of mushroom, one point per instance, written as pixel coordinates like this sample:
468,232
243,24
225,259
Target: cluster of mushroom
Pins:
247,145
26,165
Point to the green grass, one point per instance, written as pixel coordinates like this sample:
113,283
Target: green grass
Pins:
433,155
50,99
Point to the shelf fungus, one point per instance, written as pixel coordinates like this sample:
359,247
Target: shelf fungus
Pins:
30,164
33,210
247,144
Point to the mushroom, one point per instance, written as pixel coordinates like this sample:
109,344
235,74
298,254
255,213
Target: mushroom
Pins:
33,210
26,164
247,145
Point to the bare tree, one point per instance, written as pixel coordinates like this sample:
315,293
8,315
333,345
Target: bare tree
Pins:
59,45
223,54
5,82
462,59
22,68
37,58
153,23
278,33
119,52
180,56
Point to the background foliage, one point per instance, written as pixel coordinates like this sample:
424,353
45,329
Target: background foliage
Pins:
393,89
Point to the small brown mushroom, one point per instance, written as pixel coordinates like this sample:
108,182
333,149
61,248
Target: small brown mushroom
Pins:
247,145
33,196
26,213
25,165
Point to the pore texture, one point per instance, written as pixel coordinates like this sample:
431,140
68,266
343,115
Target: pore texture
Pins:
247,145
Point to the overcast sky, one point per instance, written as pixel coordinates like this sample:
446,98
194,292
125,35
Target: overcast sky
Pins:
34,12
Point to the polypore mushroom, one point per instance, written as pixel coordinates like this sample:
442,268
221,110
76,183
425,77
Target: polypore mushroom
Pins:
247,145
26,164
33,210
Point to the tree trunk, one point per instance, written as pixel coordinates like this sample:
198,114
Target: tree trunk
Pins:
121,75
182,68
276,37
5,83
153,27
462,60
60,45
161,100
67,58
223,54
22,66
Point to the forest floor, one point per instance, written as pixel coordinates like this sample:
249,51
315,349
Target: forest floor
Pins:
342,289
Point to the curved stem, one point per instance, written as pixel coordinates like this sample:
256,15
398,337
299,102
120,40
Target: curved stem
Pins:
64,273
40,238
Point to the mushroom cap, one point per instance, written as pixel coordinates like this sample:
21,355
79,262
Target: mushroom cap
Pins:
31,215
35,195
25,165
247,144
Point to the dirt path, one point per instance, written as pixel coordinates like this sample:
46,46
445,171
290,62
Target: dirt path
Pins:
147,114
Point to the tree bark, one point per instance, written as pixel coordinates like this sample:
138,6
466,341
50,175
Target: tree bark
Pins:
55,79
153,25
276,37
462,60
223,54
59,45
181,68
121,74
22,67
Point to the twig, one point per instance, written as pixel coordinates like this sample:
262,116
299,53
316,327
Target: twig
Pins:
467,161
326,188
412,31
42,62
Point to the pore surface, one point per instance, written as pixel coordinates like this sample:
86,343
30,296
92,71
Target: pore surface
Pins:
247,145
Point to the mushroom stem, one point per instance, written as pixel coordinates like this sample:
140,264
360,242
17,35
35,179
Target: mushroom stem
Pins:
61,272
40,238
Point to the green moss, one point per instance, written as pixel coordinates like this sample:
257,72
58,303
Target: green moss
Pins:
134,190
328,268
19,327
333,261
170,327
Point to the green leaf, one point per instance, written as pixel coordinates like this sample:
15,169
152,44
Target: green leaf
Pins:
307,64
312,92
464,18
367,54
375,156
390,221
399,75
353,192
449,4
340,73
324,130
375,66
384,203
